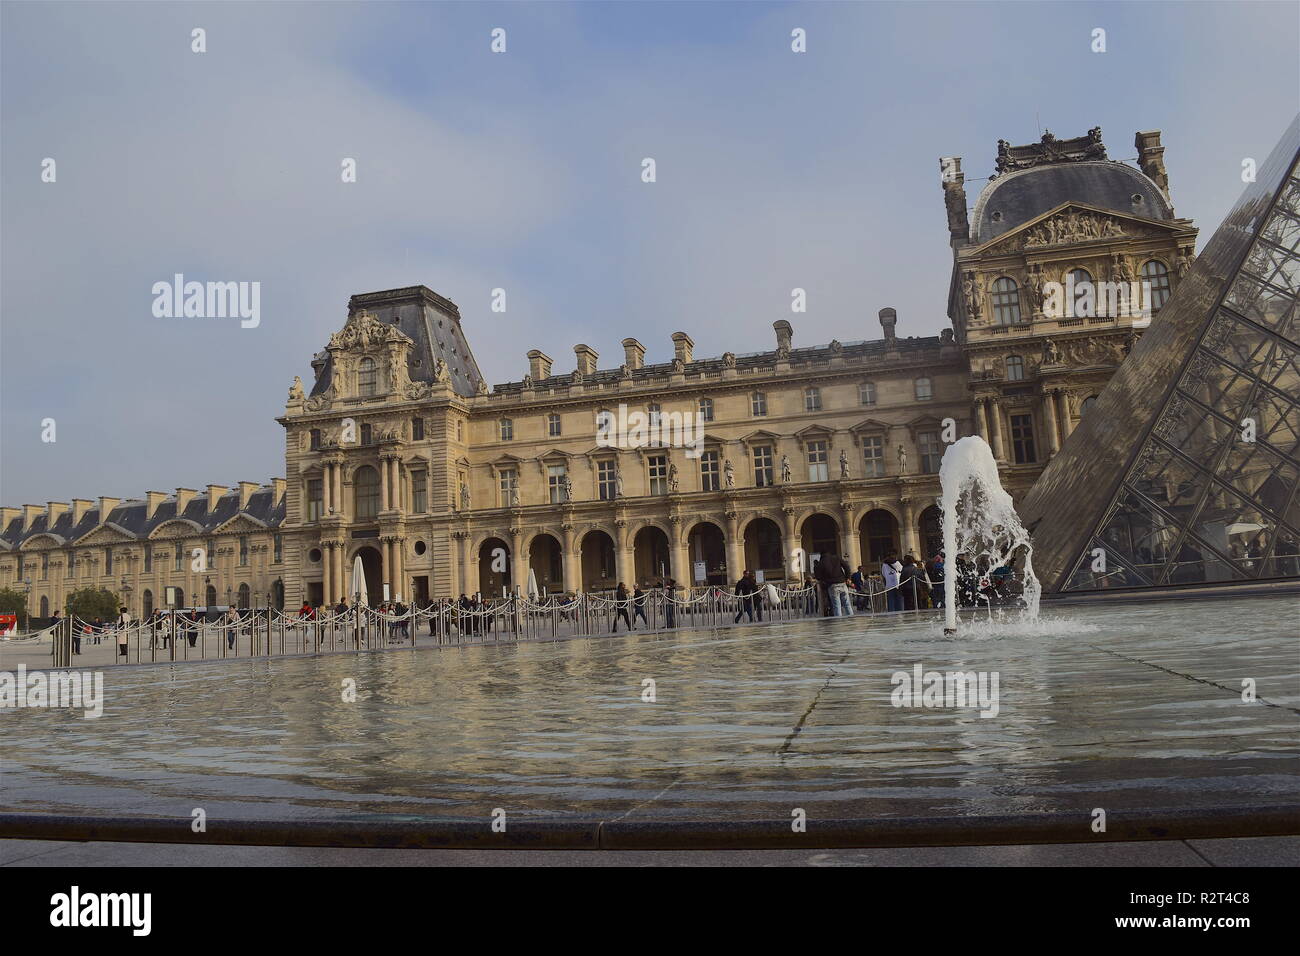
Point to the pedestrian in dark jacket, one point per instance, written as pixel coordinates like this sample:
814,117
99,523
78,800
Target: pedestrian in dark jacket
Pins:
620,607
747,591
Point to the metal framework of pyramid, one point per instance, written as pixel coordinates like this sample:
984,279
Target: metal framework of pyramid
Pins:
1185,470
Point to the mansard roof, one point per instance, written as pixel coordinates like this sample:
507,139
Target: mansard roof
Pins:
131,518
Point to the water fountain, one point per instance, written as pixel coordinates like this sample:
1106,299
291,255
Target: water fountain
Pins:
980,521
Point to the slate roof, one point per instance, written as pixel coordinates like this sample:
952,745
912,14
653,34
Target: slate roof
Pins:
1014,198
130,516
430,321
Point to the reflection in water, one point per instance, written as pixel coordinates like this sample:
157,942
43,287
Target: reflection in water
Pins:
1087,718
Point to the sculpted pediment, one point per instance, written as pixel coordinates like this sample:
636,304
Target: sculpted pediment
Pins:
42,541
240,523
107,533
176,528
1072,223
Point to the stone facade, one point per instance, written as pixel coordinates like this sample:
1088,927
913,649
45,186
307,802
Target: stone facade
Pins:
401,455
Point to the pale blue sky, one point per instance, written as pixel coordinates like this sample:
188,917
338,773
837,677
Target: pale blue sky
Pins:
521,171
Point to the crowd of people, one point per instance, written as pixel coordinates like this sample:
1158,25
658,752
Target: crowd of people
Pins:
908,585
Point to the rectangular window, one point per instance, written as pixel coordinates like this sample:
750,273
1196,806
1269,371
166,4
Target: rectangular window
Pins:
108,560
178,556
210,554
315,501
507,429
277,555
658,474
460,429
243,550
812,399
710,479
315,439
763,466
45,567
148,559
867,393
553,425
509,484
555,482
1022,439
931,452
417,429
606,482
758,404
924,390
366,434
72,565
419,492
818,452
873,456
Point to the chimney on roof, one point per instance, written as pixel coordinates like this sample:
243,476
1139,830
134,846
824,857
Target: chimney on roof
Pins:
106,506
1151,159
7,515
784,335
587,357
683,348
79,508
214,495
30,514
539,365
888,319
53,511
183,497
278,486
633,354
152,500
246,489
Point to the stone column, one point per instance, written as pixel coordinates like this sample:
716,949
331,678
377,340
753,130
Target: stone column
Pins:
791,542
518,561
995,429
385,479
1063,414
1049,423
341,570
909,527
981,420
337,497
679,560
624,564
326,574
735,548
399,570
851,546
572,561
465,575
327,488
390,566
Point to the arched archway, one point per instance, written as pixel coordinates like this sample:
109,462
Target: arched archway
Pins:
878,531
277,594
599,566
763,550
211,599
45,606
146,603
495,564
819,538
180,597
245,597
372,567
546,561
930,526
650,556
705,544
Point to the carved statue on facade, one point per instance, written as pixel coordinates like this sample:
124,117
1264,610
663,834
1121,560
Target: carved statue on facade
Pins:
728,473
728,359
295,390
672,477
481,388
844,463
464,496
785,469
618,481
566,483
1051,354
902,460
970,290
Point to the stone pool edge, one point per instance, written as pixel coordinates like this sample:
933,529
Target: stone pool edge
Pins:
621,834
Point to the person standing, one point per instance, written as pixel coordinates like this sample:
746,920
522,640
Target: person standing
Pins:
670,608
934,571
232,627
638,605
890,569
123,622
746,590
620,607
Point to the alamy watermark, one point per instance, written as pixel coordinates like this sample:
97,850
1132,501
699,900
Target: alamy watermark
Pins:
179,299
951,689
638,429
1086,299
83,689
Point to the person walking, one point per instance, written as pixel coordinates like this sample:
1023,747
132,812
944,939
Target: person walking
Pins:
123,622
638,605
232,627
890,569
620,607
747,591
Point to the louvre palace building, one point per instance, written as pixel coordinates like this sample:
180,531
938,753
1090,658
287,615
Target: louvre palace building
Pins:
398,451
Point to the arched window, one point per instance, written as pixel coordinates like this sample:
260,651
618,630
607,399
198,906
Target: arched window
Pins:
924,390
1085,296
1006,301
243,597
366,485
1015,368
210,596
367,378
706,409
146,603
867,393
1156,277
1088,402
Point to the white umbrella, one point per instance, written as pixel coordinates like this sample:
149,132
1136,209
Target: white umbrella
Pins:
359,582
533,591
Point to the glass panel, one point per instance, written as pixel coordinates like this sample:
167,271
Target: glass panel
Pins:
1283,228
1256,473
1277,422
1168,480
1193,430
1275,266
1115,575
1234,527
1138,535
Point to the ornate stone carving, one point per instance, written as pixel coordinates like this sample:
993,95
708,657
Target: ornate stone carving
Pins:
728,359
1073,226
295,390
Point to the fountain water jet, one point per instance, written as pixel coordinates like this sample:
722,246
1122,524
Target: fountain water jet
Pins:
986,525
